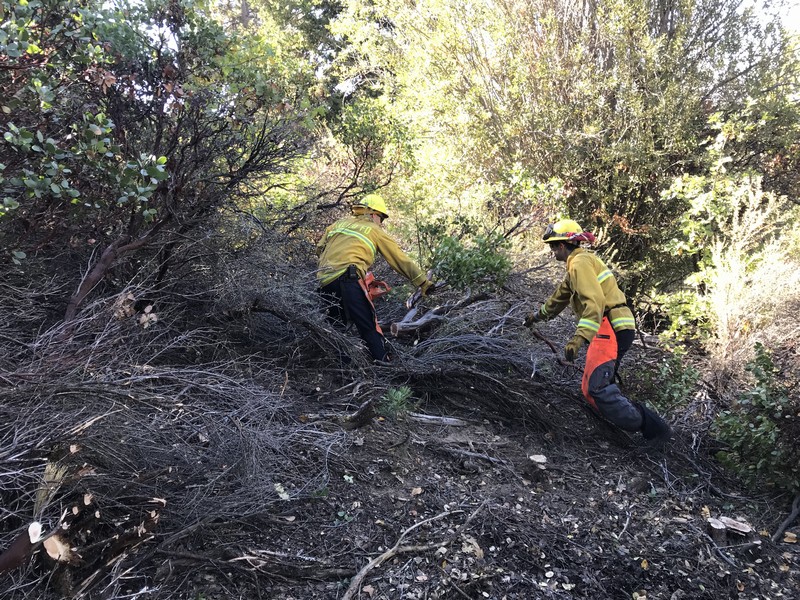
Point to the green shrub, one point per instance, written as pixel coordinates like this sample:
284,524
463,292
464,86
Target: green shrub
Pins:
689,315
761,428
396,402
670,382
483,263
741,237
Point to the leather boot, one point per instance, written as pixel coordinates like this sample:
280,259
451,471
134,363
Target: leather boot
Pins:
654,429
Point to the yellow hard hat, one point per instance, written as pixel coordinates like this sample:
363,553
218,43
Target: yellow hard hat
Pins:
562,231
374,203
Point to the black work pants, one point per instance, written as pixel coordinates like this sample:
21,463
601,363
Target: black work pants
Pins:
625,339
346,302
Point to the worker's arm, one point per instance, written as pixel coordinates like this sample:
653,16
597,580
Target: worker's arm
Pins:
323,241
399,260
557,301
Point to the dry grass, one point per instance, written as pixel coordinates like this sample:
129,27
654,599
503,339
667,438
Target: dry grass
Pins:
753,285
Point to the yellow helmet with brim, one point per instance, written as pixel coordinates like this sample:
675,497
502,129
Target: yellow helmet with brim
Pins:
371,202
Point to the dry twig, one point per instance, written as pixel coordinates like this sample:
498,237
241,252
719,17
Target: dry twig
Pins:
789,520
355,583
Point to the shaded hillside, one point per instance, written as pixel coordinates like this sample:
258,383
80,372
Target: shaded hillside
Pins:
180,421
228,454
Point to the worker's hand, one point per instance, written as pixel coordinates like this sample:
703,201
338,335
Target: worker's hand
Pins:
531,318
573,347
426,287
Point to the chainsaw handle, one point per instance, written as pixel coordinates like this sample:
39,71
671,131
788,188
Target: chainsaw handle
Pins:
414,298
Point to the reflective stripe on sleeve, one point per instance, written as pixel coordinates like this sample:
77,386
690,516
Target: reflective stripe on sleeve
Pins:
589,324
622,322
604,275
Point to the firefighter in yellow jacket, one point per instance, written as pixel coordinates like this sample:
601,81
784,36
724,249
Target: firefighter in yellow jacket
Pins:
346,251
605,323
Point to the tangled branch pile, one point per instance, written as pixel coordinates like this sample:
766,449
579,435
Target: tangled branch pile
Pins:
126,445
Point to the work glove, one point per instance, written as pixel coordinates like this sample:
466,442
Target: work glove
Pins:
531,318
426,287
573,347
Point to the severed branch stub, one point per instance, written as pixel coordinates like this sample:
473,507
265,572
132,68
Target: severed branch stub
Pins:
739,527
719,528
718,532
362,416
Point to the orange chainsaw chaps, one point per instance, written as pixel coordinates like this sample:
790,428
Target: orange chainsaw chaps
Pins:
602,349
365,289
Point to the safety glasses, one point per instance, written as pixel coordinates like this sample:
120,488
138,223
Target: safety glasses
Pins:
549,232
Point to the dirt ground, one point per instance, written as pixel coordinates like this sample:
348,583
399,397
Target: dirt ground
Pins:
433,510
491,480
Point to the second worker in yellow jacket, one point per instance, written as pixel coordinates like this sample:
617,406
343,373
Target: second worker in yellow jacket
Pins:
605,323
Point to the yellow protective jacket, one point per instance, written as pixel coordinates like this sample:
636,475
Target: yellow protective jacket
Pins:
592,291
356,241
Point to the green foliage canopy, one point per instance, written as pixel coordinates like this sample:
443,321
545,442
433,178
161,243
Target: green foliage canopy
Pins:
124,121
607,101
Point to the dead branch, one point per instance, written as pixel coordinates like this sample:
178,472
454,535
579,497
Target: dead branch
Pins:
407,327
410,315
362,416
283,565
789,520
435,420
555,350
501,323
355,583
99,270
467,453
143,435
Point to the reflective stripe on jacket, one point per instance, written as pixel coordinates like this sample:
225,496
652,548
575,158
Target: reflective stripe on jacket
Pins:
591,289
357,241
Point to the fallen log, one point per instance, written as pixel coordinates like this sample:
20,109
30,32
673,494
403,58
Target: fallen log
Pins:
408,328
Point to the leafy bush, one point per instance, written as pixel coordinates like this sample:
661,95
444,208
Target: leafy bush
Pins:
482,263
741,238
689,317
761,429
670,382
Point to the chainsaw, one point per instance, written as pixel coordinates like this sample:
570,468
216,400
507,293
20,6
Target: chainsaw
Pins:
375,287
